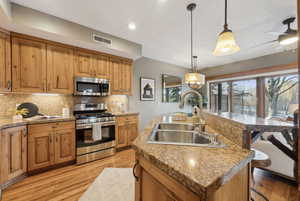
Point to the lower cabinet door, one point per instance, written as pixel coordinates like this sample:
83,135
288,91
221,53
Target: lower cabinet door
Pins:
40,150
132,132
122,135
64,145
13,152
152,190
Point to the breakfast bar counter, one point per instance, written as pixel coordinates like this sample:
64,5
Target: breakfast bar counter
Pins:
200,170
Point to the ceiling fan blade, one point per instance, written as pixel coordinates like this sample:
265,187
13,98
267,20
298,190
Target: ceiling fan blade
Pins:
262,44
274,33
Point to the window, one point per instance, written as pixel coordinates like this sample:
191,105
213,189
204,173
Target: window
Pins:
281,96
244,97
219,97
277,96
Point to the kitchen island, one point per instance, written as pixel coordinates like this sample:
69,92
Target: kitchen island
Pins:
188,173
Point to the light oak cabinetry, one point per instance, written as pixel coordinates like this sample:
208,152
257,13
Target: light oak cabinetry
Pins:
13,153
101,67
84,64
50,144
121,77
91,65
28,65
152,184
127,130
5,62
41,66
59,69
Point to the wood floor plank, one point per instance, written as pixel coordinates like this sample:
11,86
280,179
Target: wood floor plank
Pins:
69,183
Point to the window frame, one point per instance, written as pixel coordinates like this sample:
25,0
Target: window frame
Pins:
260,89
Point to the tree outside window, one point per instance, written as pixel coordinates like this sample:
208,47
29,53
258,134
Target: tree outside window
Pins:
281,95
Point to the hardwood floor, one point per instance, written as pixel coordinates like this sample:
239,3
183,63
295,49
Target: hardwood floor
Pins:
274,188
69,183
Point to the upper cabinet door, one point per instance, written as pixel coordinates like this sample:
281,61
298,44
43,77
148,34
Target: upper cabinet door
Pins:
60,70
127,78
5,62
116,80
84,64
29,65
101,68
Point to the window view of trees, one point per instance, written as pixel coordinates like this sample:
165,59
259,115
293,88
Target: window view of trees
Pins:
219,97
281,95
244,97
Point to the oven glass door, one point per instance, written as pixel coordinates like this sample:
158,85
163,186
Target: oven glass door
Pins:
84,136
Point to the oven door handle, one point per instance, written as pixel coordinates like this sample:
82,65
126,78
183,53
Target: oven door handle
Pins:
86,126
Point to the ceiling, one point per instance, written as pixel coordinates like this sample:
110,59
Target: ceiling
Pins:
162,26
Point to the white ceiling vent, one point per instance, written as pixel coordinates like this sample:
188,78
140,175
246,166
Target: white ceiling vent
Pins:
100,39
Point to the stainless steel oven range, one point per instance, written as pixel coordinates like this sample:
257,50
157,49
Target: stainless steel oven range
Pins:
95,132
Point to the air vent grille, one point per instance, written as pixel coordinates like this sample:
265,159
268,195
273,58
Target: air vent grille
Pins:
101,40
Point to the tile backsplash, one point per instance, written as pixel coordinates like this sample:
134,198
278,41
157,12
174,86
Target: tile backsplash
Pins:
52,104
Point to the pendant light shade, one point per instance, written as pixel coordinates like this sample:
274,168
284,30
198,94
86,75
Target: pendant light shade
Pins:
193,79
226,44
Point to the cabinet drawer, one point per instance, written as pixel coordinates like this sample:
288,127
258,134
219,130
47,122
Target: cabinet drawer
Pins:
48,127
64,125
127,119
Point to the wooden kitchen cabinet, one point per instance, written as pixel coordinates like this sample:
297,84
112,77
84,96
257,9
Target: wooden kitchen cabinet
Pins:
13,153
40,147
153,184
84,64
28,65
121,77
101,67
64,145
5,62
50,144
127,130
60,63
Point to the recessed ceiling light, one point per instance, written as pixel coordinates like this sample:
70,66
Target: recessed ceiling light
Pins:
131,26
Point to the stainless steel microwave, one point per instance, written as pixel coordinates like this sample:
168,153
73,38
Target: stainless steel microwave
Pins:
87,86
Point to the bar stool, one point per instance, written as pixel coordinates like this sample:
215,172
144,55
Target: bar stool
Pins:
261,160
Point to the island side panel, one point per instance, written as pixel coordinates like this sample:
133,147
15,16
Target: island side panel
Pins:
154,185
237,189
229,129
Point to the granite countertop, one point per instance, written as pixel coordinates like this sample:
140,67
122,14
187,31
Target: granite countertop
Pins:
8,122
253,122
198,168
125,113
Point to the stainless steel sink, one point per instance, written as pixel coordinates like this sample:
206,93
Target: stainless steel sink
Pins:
182,134
175,126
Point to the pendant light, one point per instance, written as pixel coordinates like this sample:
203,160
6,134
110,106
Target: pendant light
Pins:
193,79
226,44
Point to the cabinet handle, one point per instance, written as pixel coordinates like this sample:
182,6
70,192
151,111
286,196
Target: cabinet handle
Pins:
50,139
9,84
133,170
56,139
57,81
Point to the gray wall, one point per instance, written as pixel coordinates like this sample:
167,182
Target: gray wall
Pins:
5,6
23,16
145,67
287,57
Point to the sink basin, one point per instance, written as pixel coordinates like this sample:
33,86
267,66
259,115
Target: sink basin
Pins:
175,126
182,134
